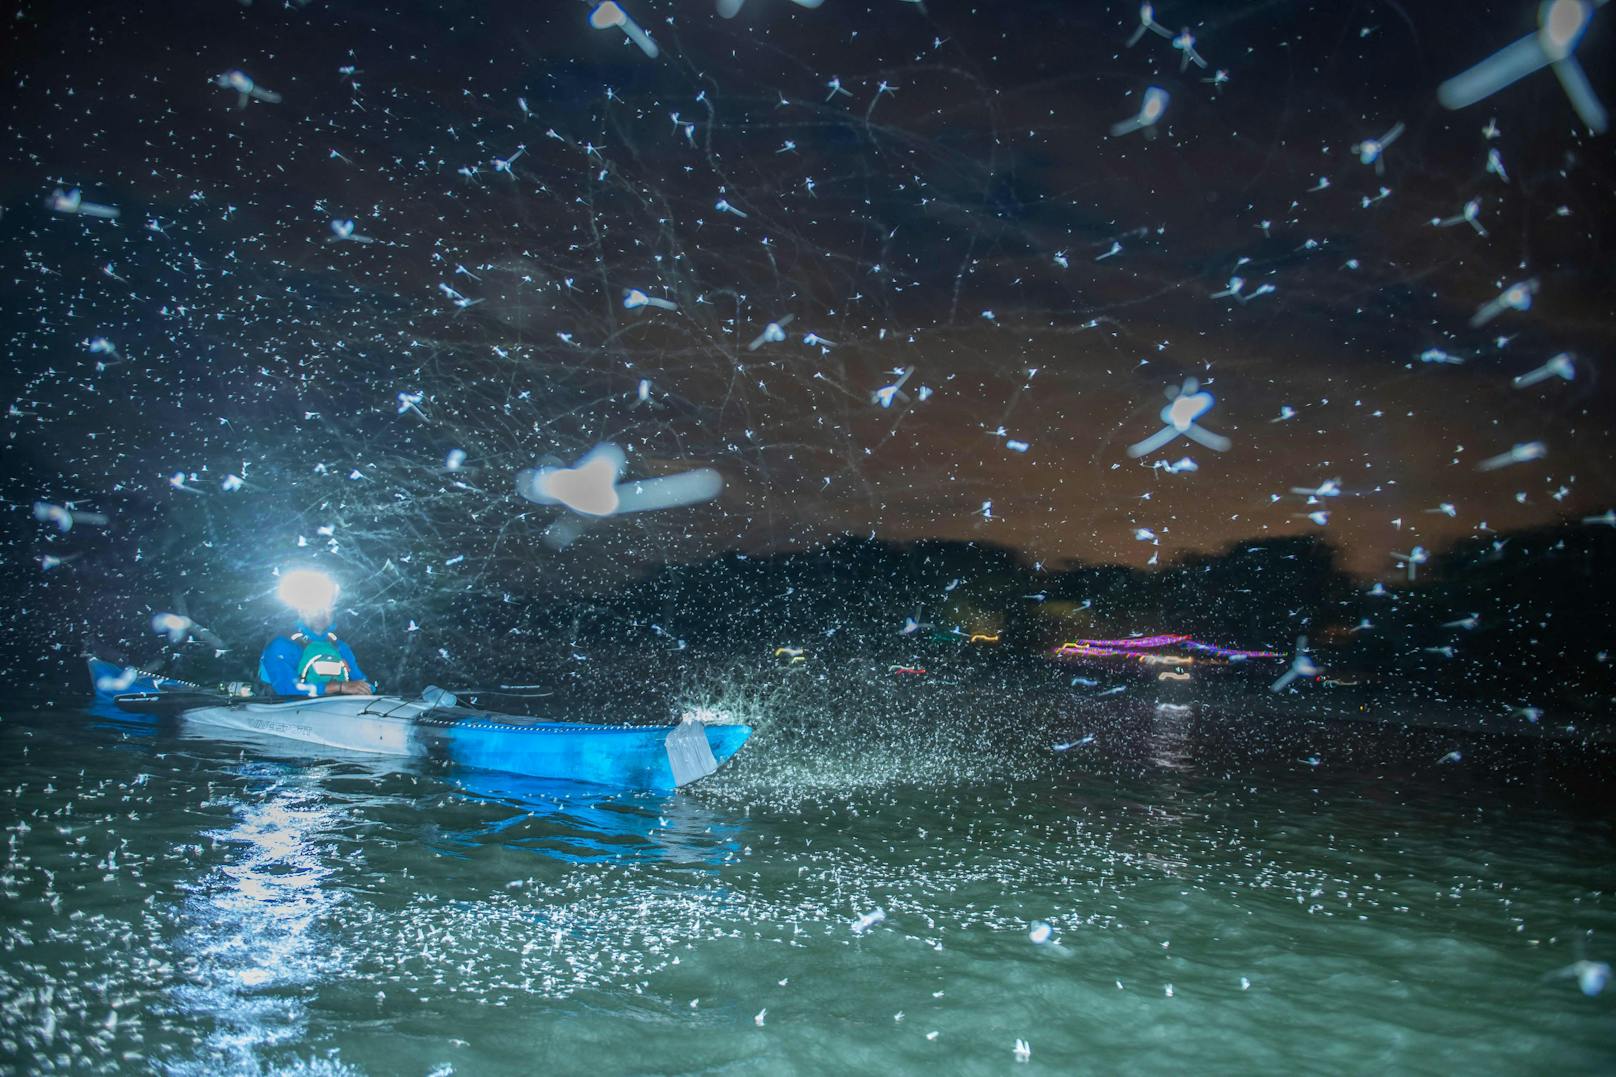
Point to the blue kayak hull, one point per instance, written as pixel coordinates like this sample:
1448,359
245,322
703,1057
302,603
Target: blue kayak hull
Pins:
633,757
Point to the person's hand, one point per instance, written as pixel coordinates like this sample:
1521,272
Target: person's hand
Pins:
359,688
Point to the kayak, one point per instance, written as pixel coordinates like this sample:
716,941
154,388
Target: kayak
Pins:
653,757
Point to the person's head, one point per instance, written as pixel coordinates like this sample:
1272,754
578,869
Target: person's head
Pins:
312,594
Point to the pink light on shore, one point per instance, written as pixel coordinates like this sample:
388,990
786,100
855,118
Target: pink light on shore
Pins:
1136,647
1135,643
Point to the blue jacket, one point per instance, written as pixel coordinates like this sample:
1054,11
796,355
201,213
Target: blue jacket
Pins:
278,665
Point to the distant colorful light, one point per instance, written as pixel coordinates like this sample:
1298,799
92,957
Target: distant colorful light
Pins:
1228,652
1138,648
1135,643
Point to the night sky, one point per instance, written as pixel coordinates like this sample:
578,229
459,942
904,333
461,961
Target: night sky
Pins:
275,394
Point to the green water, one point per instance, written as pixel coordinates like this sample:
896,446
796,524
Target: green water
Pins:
1219,905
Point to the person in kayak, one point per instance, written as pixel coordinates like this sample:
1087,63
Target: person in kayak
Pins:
311,661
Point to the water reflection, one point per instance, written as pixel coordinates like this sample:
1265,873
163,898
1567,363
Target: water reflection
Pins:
125,724
567,821
1167,737
581,824
252,928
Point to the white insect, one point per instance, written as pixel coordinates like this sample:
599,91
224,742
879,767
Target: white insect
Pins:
72,203
1472,209
103,346
868,920
591,488
181,482
173,625
1147,21
1301,666
1517,296
1369,151
65,516
887,393
1591,976
411,402
1151,108
913,624
1327,488
611,14
1413,559
1437,355
117,682
246,89
344,231
634,299
456,298
1561,366
1561,24
1185,43
1186,404
773,333
1517,454
503,164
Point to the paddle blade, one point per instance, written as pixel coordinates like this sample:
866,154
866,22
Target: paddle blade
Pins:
690,757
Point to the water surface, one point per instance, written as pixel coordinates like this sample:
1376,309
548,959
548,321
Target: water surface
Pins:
1227,892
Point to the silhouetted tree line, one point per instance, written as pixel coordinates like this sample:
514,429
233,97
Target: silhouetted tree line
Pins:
1523,618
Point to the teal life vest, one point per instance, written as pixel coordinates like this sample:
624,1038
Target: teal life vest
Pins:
320,662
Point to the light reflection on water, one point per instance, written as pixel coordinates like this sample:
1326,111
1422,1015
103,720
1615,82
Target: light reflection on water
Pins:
1215,902
583,824
252,929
